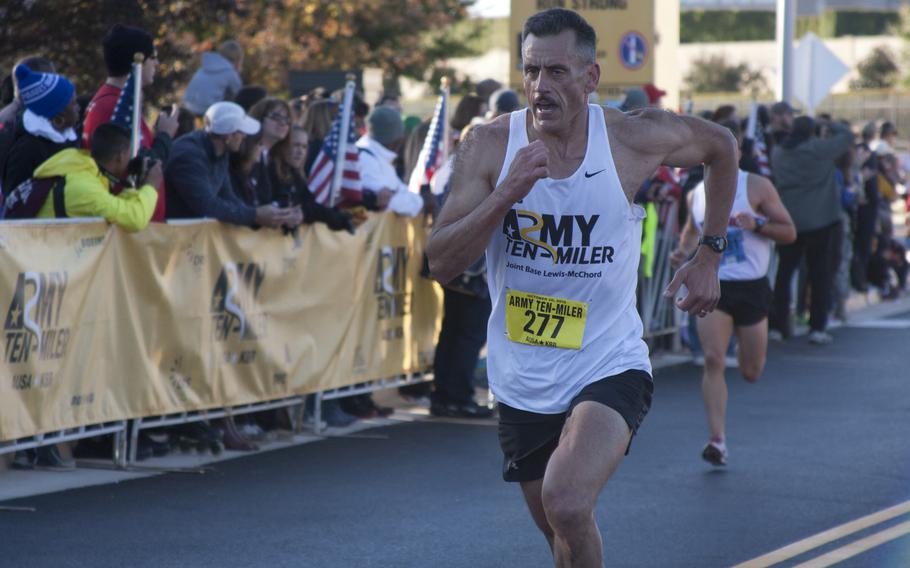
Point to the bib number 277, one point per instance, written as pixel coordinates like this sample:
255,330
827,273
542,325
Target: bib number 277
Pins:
534,319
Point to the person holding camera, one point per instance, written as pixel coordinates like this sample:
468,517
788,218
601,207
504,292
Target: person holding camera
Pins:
198,175
88,177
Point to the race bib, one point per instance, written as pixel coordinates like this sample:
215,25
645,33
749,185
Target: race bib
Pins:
534,319
735,251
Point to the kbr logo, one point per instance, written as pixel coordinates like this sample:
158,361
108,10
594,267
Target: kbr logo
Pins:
234,299
33,318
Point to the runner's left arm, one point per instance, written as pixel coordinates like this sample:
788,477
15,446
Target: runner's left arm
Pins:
779,226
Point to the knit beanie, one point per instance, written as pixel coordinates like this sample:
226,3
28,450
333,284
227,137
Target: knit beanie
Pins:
120,45
45,94
385,125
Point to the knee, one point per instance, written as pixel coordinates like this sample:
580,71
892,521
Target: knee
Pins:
566,511
751,371
715,361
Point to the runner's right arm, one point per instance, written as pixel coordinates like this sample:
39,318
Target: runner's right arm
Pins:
474,209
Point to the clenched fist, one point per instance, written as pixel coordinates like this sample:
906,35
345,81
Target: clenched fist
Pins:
530,164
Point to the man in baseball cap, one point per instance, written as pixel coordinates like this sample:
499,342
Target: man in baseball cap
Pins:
198,181
229,118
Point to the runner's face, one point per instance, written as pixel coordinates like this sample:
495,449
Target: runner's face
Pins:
556,81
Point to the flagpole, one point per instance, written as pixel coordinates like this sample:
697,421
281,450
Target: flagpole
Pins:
138,59
753,121
347,105
447,130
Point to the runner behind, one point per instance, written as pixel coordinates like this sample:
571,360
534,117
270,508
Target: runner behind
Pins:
758,220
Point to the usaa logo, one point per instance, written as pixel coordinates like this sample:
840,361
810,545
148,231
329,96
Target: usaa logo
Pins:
32,326
390,282
565,239
234,302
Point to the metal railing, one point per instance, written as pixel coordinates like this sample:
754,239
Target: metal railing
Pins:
363,388
117,428
659,316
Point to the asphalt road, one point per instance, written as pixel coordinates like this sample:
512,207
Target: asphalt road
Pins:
821,440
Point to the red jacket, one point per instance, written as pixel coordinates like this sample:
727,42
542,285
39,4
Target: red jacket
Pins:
100,111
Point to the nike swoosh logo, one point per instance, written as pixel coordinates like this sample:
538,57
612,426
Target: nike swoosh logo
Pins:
587,175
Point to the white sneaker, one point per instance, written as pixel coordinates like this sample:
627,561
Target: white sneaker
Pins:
820,338
715,453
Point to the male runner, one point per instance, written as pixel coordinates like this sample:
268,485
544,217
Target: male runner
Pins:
758,219
547,192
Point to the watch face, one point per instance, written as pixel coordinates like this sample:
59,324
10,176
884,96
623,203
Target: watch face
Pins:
717,244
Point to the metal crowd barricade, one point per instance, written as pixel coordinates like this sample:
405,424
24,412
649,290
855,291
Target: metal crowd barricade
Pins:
659,315
117,428
139,424
364,388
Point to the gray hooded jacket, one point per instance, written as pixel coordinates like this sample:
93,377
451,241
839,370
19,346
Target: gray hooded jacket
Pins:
804,177
215,81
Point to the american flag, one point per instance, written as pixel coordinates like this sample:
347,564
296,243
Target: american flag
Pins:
432,154
761,153
123,110
323,170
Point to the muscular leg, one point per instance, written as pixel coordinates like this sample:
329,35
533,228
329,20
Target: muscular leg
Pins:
753,346
593,442
714,331
533,496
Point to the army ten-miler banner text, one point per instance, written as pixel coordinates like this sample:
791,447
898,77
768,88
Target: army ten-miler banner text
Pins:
102,325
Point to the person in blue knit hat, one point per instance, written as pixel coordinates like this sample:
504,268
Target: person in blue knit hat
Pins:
51,114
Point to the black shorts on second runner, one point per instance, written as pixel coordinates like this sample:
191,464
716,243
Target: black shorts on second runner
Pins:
746,301
528,438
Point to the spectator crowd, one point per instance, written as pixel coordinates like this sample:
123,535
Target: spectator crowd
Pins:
243,156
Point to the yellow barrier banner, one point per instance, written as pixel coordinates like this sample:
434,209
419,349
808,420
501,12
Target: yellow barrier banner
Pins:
52,280
103,325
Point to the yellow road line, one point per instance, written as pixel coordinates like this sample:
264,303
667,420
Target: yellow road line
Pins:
822,538
857,547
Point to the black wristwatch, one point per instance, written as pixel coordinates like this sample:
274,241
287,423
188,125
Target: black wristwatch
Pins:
759,225
717,244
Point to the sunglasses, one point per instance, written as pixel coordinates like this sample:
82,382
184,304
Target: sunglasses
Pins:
279,118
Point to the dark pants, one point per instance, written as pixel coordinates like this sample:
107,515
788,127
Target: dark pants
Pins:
816,247
866,216
463,334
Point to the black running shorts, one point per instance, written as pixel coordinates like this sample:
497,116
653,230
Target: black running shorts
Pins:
528,438
746,301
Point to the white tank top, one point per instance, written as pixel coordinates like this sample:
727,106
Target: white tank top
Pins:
564,268
747,255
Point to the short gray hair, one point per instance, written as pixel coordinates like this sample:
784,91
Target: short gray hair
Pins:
555,21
